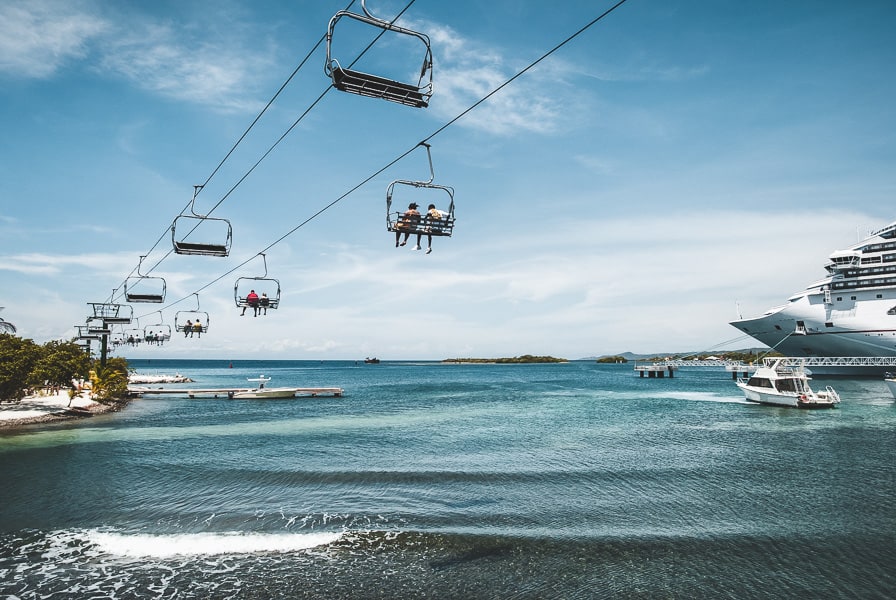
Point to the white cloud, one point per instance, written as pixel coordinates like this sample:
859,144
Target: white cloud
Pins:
38,37
467,71
160,58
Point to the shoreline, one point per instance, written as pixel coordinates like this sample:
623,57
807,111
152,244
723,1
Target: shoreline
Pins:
51,408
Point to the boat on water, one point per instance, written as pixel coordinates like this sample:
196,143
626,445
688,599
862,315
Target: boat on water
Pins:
264,392
785,382
850,313
372,361
890,380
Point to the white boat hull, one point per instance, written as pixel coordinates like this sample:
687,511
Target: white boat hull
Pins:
772,398
891,383
783,382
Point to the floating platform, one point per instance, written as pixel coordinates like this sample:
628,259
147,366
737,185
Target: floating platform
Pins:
231,392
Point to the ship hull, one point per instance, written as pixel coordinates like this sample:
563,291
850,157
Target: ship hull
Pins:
856,323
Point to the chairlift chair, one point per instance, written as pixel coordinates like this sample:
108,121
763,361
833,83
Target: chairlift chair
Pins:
116,339
194,316
133,336
182,316
84,334
112,313
353,81
425,225
6,326
158,332
218,231
142,288
98,326
262,284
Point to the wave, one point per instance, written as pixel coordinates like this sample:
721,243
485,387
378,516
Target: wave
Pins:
205,544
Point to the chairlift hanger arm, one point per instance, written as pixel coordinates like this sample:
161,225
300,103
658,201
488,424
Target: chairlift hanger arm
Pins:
370,19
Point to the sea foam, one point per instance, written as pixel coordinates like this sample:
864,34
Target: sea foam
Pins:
191,544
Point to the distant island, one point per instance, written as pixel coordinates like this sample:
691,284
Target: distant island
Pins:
525,358
612,359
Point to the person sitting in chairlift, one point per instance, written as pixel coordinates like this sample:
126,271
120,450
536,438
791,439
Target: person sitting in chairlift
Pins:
406,223
251,300
264,302
434,217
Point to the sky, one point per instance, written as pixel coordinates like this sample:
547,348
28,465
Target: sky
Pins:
670,167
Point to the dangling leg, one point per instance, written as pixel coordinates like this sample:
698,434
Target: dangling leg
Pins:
428,244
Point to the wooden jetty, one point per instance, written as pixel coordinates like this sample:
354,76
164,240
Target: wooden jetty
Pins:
230,392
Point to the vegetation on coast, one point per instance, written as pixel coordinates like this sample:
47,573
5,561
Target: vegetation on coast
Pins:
741,356
27,366
612,359
525,358
745,356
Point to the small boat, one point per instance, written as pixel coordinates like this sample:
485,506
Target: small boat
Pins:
264,392
785,382
371,361
890,380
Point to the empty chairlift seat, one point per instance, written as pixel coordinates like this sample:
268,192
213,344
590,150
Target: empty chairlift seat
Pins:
201,234
143,288
349,79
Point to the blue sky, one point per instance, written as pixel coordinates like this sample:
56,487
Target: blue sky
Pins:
674,162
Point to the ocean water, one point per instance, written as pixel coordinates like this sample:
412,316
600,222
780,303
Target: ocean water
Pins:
429,480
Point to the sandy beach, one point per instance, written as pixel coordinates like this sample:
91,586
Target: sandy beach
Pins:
49,407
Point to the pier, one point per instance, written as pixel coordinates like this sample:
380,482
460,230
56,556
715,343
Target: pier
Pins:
832,365
229,392
655,370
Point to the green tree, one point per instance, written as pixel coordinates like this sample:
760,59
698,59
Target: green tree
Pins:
109,382
58,363
17,358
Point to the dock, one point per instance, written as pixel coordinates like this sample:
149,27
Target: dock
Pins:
229,392
829,365
655,370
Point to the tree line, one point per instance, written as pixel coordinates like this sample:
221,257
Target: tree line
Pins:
26,366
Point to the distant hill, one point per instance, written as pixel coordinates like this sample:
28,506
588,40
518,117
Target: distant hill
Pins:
632,357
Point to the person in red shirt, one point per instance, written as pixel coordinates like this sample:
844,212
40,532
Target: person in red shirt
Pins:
251,300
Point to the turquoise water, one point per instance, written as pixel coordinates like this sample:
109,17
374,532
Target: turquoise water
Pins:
429,480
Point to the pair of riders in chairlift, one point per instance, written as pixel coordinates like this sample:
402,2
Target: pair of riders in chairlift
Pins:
409,223
256,303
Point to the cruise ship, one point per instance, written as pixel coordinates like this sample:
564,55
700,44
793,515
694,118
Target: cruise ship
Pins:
851,312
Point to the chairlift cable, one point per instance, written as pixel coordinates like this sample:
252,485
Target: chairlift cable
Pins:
398,158
274,145
449,123
238,142
531,65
